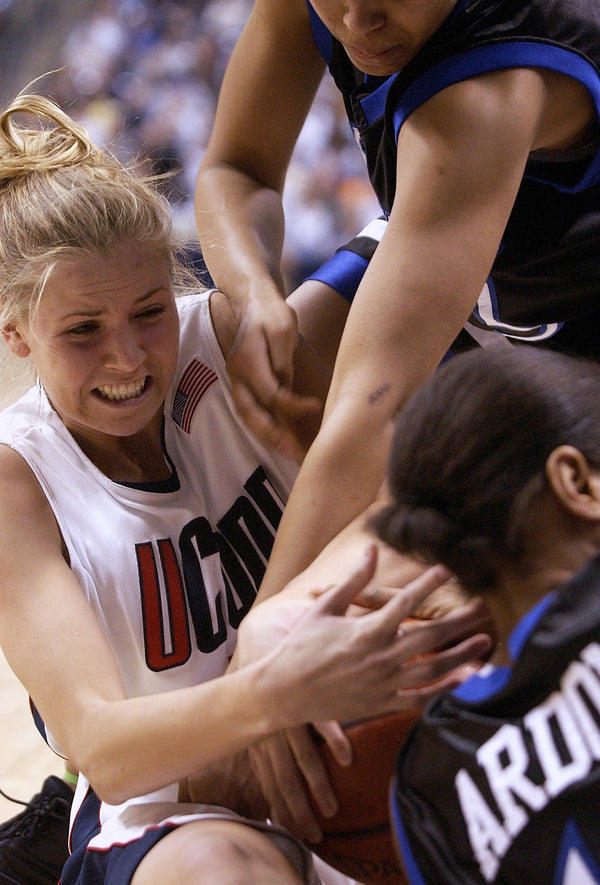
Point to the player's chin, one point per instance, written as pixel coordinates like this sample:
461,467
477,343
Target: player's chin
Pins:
381,64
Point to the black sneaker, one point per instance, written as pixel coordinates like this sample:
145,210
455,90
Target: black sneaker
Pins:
33,844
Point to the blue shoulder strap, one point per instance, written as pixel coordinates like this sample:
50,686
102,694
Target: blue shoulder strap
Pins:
322,36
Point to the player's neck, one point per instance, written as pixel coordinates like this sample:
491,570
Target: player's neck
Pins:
525,584
139,458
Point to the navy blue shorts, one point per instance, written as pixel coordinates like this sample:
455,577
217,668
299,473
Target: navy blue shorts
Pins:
115,866
116,863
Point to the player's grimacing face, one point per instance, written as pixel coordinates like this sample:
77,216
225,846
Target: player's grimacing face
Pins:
381,36
105,338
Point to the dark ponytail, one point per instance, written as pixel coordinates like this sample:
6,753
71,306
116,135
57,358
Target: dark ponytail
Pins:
470,450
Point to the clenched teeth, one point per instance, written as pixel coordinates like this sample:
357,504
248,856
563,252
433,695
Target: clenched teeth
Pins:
122,391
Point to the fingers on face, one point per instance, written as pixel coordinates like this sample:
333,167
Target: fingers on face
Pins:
428,674
404,603
337,600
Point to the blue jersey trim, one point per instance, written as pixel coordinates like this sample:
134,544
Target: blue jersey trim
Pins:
343,272
38,721
480,687
499,56
408,859
527,624
373,105
483,686
321,35
572,841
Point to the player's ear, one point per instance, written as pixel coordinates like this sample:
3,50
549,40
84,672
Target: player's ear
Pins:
574,482
15,341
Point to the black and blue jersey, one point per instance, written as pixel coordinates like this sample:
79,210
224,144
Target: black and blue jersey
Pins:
499,782
545,281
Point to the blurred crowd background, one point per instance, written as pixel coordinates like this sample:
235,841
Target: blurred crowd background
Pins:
143,76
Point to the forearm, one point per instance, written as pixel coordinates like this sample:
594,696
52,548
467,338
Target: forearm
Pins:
267,90
343,471
133,746
340,477
241,227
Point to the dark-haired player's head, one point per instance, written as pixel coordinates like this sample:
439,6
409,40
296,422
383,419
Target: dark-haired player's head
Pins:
470,455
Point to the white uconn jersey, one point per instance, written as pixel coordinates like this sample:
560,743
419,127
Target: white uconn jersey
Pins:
169,568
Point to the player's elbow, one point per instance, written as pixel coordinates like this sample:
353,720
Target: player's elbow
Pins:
109,779
108,762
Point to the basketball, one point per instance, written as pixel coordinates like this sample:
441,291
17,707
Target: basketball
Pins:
358,840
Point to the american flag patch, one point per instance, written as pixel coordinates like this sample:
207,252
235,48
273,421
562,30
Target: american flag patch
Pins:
193,384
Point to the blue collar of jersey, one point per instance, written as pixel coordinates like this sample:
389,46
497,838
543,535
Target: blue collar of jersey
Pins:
492,679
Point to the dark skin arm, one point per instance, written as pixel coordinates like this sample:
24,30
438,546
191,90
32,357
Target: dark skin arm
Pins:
238,206
461,158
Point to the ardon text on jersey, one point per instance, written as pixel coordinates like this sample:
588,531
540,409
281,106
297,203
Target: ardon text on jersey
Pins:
523,766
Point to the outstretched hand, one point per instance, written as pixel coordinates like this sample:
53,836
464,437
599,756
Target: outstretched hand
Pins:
383,661
350,668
